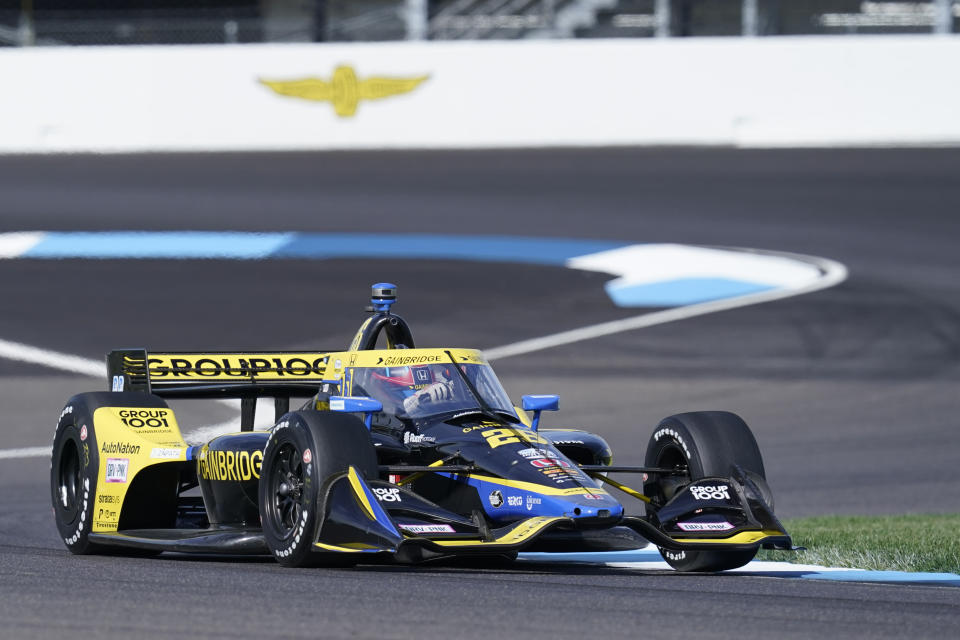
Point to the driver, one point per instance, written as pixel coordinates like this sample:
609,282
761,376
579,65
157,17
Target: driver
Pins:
407,389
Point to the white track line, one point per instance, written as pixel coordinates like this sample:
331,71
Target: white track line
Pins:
833,274
26,452
52,359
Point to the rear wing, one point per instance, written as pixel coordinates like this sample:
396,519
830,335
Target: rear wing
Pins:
246,376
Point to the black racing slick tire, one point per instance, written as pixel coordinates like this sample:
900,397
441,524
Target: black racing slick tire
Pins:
304,452
75,465
705,444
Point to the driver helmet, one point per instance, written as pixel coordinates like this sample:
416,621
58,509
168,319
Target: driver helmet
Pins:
401,378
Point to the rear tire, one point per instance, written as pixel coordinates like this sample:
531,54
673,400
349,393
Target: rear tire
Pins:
706,444
291,487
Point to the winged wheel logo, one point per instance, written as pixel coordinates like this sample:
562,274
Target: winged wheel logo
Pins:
344,90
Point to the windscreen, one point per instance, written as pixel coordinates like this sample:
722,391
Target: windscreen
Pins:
427,390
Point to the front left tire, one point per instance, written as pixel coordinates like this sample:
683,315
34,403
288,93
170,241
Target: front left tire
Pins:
703,444
75,466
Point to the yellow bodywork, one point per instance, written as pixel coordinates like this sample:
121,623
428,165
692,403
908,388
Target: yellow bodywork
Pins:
523,531
309,366
129,440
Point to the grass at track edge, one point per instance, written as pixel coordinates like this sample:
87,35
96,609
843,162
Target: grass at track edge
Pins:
927,543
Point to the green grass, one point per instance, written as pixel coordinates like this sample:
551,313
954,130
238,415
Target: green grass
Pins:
883,543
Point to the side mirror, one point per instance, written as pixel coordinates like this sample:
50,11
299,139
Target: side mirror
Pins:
540,403
356,404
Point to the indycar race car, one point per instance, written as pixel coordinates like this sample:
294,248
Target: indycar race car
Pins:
398,454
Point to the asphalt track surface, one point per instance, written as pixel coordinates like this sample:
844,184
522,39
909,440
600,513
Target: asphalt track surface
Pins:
851,391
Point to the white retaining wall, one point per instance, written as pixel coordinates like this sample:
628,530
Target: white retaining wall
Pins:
883,90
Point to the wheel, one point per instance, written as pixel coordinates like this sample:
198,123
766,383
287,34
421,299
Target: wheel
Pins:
304,451
75,465
703,444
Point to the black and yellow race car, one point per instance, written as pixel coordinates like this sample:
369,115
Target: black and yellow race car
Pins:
399,454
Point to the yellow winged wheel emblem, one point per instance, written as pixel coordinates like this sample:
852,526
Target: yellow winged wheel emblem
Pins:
345,90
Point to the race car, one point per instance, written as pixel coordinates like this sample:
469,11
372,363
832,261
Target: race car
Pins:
398,454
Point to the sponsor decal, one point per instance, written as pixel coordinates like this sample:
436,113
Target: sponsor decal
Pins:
165,453
544,463
172,368
673,434
86,454
123,448
482,425
297,534
414,438
107,517
83,432
515,501
592,496
705,526
496,499
83,514
387,494
558,475
556,471
117,383
710,492
230,465
537,453
153,420
307,456
427,528
531,501
108,499
344,90
117,469
397,361
568,442
66,411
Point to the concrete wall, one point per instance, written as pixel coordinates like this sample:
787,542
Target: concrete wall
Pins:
884,90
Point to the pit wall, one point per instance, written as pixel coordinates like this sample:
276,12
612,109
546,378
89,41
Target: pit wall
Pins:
752,92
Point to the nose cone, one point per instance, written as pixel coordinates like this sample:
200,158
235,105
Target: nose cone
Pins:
593,506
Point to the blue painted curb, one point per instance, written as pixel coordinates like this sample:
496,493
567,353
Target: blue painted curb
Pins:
784,569
294,245
185,245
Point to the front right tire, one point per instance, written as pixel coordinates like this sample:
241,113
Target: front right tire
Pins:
304,452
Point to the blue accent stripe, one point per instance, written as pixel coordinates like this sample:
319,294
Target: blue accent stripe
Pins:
649,554
674,293
158,244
